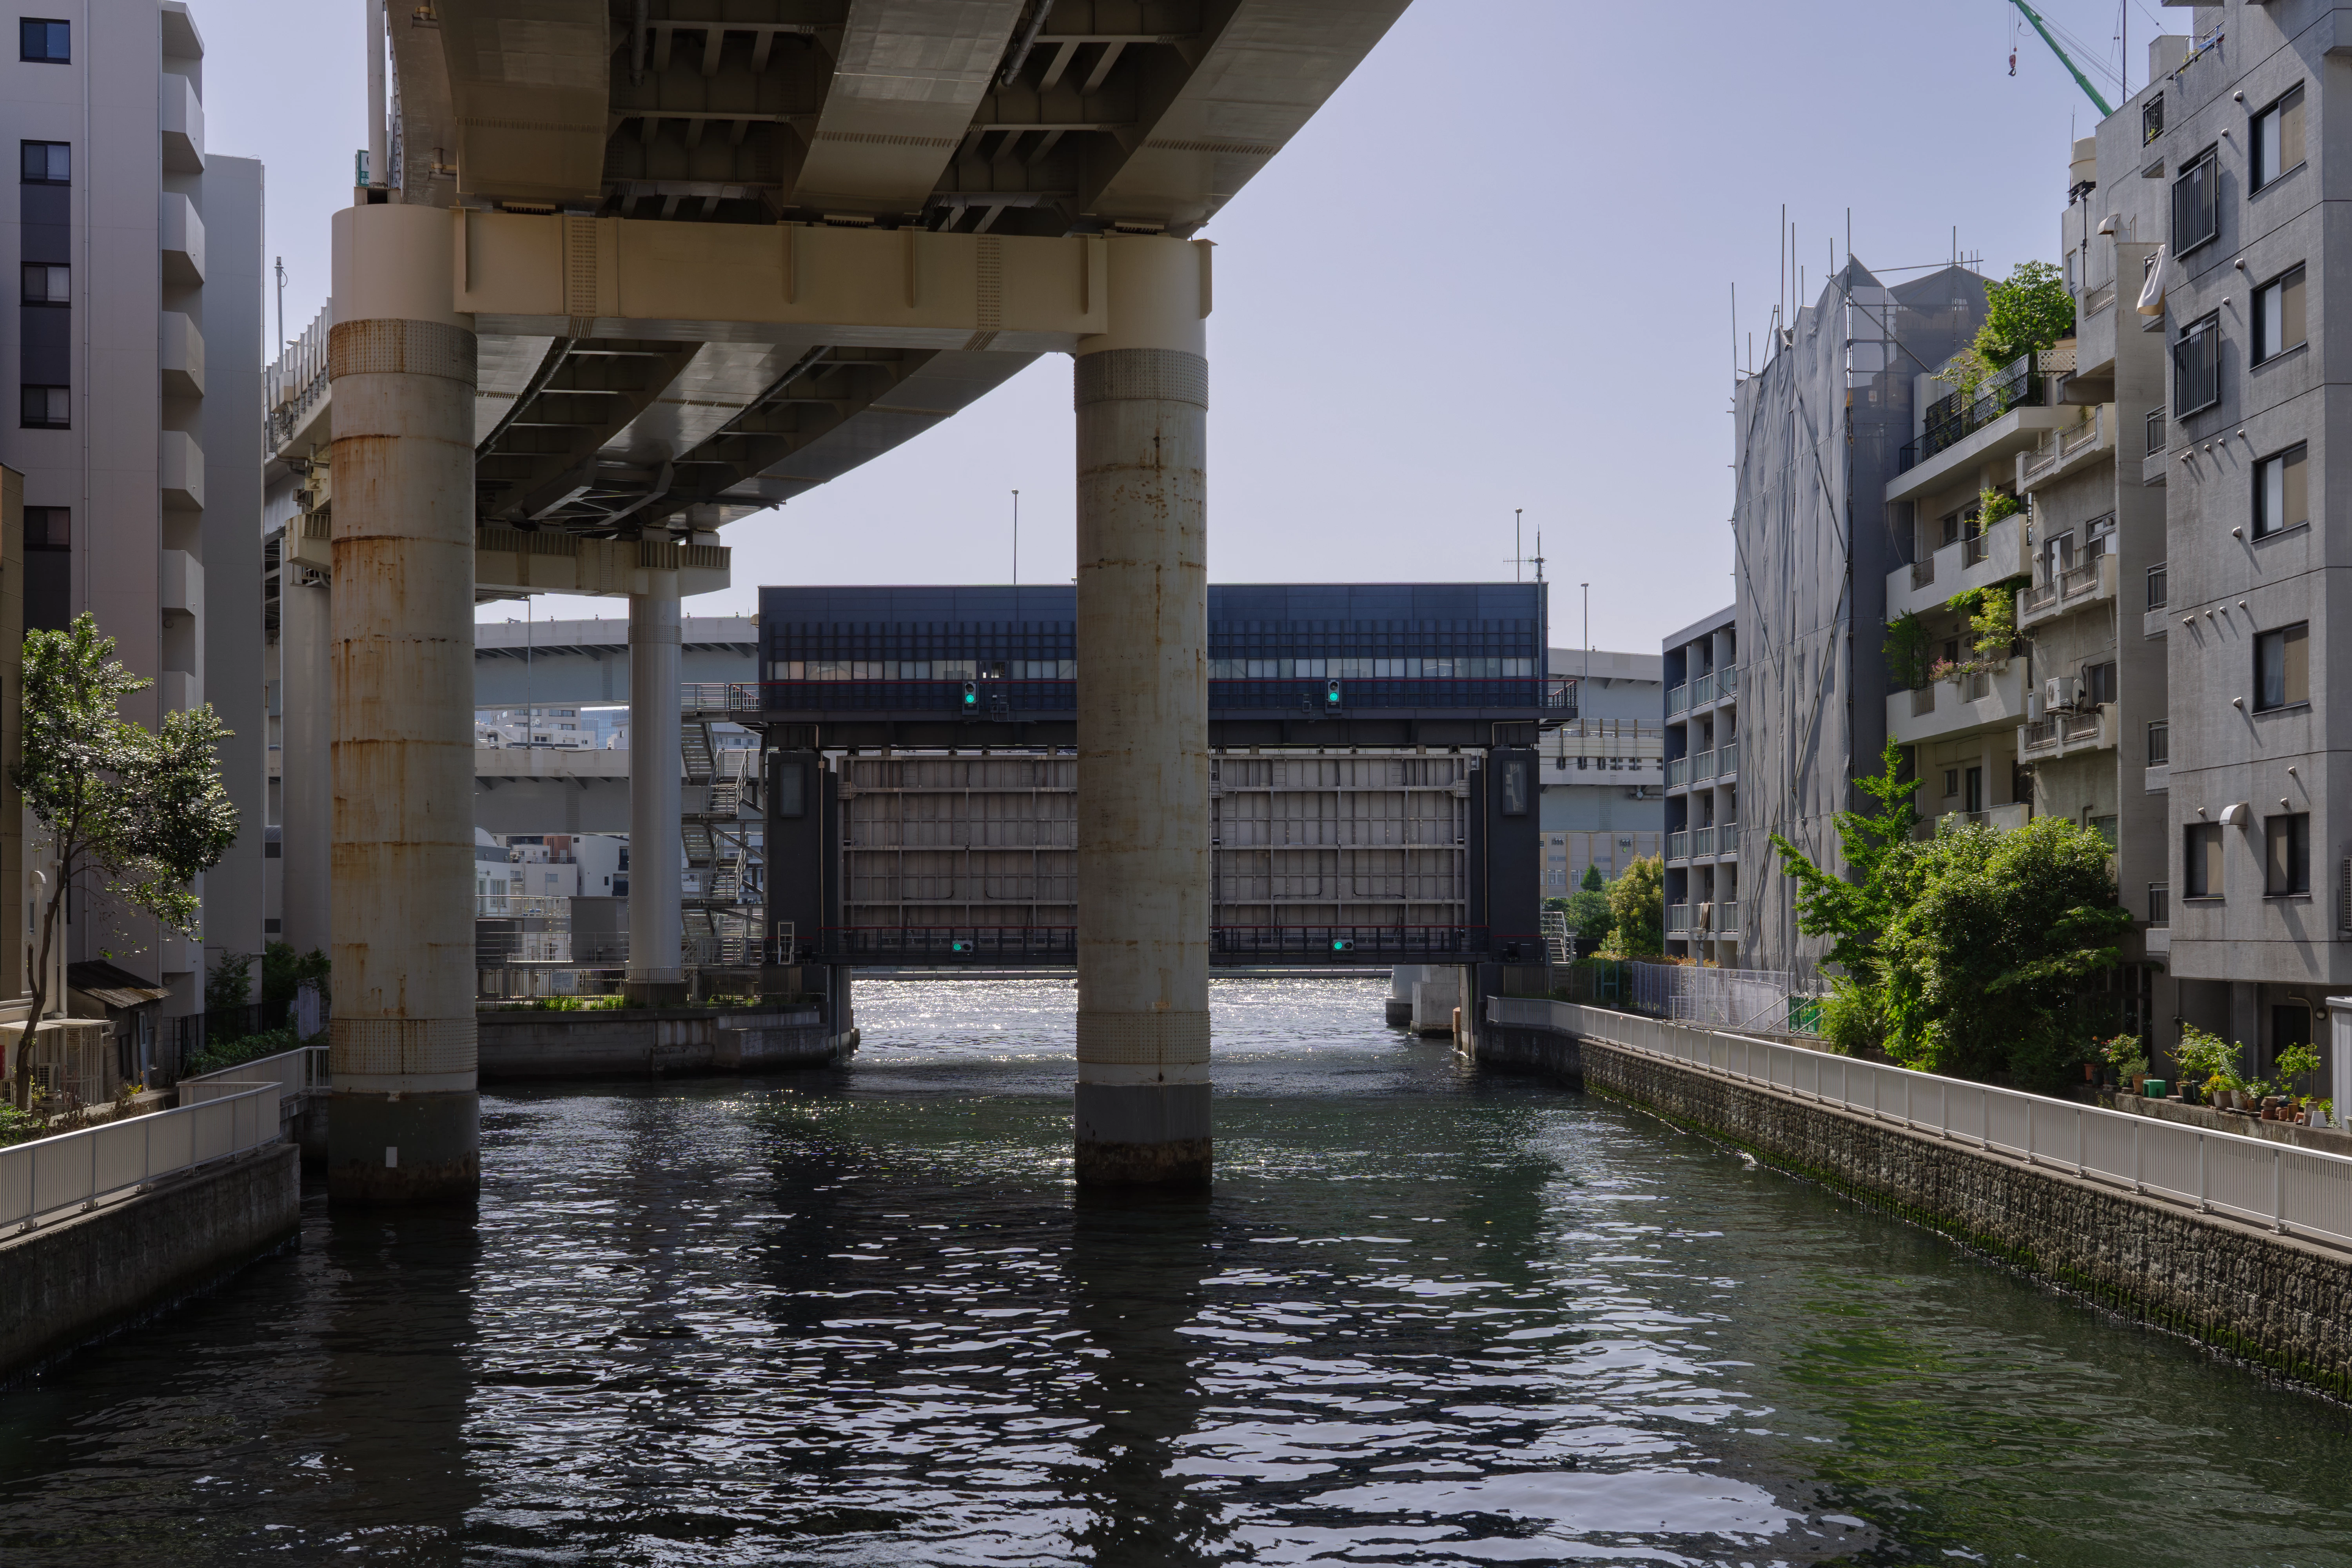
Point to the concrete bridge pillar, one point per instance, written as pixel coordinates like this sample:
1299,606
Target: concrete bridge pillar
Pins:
307,804
655,923
403,1123
1143,396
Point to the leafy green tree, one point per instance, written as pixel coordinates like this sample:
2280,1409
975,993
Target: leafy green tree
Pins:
1637,910
2024,313
228,985
1588,909
2005,929
283,971
1966,952
128,813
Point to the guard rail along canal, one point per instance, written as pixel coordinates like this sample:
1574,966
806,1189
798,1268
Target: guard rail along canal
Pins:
2237,1241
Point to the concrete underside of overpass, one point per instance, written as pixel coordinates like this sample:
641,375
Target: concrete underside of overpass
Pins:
642,270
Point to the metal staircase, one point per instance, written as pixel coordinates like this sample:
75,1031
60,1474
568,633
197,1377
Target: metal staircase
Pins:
721,826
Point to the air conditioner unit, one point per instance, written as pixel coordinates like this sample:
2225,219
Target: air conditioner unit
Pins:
2063,691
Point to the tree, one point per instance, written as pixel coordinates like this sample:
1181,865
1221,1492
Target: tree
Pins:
2027,312
1966,952
1588,909
129,813
1637,910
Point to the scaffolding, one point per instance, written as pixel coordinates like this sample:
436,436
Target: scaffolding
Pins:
720,825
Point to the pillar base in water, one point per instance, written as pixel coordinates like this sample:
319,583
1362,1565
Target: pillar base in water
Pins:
404,1148
655,993
1132,1135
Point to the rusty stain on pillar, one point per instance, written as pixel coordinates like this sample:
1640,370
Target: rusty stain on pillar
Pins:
306,798
403,1123
1143,909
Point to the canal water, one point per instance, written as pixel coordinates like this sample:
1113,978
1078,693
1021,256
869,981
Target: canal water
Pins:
1427,1317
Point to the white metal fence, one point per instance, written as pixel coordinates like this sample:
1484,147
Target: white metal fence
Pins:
302,1070
74,1170
2292,1190
1725,998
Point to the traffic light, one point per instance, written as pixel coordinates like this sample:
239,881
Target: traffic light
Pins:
1342,944
959,944
1332,692
971,694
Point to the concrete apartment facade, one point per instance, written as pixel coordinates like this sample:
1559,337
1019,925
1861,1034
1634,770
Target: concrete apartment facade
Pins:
1701,701
141,451
1603,778
2223,160
1820,429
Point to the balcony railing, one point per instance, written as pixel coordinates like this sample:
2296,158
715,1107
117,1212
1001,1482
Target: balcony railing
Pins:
1727,760
1701,766
1677,772
1727,919
1677,700
1702,690
1677,919
2078,580
1923,701
1679,844
1702,841
2040,595
2057,729
1727,681
1923,573
2099,298
2059,445
2016,384
1975,550
1726,839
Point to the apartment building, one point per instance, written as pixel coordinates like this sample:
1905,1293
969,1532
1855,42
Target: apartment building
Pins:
2206,205
138,249
1701,669
1603,784
1834,414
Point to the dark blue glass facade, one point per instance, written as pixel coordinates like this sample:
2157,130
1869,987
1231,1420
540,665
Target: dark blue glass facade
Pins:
1272,647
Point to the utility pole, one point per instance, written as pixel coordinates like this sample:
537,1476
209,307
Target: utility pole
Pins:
1586,678
281,304
1516,512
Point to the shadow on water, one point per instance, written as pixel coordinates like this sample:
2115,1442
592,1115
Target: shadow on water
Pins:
1135,1267
313,1406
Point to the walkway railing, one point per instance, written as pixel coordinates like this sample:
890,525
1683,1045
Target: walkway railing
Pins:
74,1170
298,1072
2293,1191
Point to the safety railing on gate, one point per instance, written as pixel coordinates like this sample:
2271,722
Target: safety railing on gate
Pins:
74,1170
2293,1190
300,1071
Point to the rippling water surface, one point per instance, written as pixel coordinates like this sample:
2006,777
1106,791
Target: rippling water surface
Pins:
1427,1317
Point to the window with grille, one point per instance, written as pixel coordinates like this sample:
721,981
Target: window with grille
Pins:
2151,119
2159,744
2197,367
2196,203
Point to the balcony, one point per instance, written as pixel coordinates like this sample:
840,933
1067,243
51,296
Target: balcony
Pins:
2010,414
1679,844
1726,760
1702,842
1677,700
1702,690
180,355
1725,923
2064,734
1983,701
1677,772
2068,449
179,113
2078,587
179,232
1679,917
2000,551
180,471
1726,839
179,583
2013,816
2152,453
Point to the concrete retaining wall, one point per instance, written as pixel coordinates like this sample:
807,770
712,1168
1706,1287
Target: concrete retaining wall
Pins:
634,1042
2277,1300
75,1279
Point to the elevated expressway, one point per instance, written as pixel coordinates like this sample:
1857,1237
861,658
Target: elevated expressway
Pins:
637,268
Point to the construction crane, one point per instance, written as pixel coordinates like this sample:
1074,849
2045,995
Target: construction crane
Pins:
2083,81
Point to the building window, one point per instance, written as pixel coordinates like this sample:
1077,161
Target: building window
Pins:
2279,315
2278,139
2159,904
2159,587
2196,203
2159,744
2286,854
49,163
2283,668
48,285
2282,492
49,527
2151,119
46,42
2197,367
2099,682
2201,860
48,408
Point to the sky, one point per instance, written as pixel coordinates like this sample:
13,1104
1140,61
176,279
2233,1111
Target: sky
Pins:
1495,274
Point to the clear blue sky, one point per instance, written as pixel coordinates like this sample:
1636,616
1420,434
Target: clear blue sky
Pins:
1495,272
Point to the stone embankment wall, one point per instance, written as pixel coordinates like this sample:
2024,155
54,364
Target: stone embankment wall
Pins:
632,1042
74,1280
2278,1301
